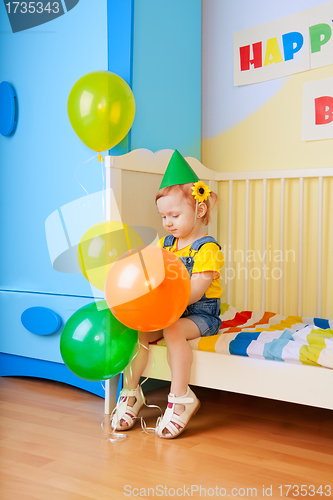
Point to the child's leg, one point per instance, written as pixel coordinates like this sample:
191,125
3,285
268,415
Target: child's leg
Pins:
134,370
180,356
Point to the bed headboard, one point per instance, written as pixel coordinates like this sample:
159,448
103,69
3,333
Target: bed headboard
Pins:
275,228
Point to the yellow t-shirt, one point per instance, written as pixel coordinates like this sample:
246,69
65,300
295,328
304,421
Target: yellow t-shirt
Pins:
208,258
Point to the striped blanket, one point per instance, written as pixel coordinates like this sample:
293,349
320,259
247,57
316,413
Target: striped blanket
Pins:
268,335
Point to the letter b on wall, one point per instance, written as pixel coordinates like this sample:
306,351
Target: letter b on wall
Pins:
323,110
317,116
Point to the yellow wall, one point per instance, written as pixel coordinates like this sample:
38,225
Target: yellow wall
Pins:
271,139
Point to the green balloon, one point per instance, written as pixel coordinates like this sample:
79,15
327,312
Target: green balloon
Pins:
95,345
101,109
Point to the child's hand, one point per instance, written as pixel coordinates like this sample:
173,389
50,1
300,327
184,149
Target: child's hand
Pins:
200,283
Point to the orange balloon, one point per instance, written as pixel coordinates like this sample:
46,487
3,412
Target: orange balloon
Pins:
148,288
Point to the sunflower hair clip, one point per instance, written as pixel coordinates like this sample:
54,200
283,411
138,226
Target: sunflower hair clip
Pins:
200,191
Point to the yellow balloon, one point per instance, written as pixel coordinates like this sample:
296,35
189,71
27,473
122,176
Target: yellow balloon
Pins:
101,245
101,109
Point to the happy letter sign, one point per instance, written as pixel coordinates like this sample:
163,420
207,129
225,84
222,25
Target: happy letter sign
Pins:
284,46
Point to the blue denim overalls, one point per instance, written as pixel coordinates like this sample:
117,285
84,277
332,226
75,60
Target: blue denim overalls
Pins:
206,312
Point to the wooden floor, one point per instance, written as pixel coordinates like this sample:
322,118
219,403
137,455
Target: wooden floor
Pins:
53,447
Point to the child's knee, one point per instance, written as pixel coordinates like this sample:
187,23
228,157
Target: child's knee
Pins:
146,337
173,331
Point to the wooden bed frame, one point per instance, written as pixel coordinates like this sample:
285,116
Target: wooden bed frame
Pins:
303,384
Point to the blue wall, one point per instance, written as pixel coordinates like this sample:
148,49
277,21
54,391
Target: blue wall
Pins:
156,47
167,75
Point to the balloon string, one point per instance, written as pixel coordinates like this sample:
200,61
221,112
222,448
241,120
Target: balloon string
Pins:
115,436
100,158
130,363
77,180
145,429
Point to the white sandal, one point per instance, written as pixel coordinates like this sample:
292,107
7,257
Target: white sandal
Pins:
123,411
170,418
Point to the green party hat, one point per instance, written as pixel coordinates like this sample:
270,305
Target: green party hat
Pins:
178,171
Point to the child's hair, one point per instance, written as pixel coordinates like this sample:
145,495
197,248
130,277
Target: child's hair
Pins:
186,191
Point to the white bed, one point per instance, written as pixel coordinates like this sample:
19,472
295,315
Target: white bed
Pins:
134,179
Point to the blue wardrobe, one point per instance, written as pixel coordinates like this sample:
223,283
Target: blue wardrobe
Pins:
156,48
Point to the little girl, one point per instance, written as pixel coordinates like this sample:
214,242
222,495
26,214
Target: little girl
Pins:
184,203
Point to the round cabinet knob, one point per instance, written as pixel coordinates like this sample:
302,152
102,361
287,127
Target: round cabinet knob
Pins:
41,320
8,109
